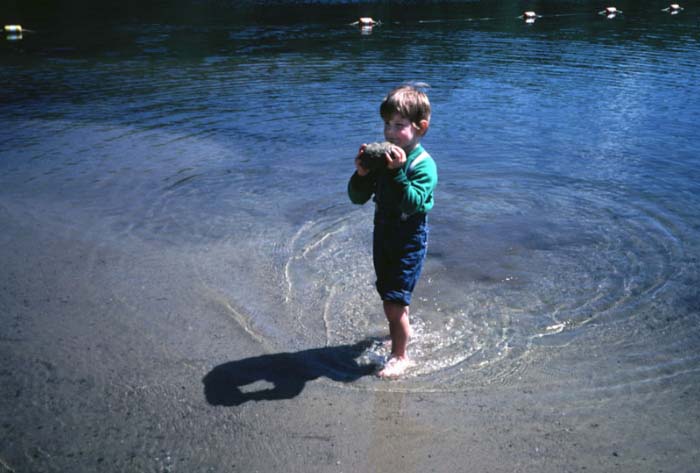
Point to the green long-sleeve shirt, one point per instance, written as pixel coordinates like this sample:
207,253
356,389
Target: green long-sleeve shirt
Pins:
406,191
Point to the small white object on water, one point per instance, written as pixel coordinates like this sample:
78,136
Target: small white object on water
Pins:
610,12
529,16
673,8
366,24
14,32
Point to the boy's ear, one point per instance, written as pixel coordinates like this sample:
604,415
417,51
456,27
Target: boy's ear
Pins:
423,126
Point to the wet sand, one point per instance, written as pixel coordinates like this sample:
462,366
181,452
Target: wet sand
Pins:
118,359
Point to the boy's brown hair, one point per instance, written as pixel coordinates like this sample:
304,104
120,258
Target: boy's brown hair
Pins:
409,102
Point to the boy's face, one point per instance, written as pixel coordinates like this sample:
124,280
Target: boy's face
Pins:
401,132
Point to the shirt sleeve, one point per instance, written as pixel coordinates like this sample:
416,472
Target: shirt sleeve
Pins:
418,187
360,188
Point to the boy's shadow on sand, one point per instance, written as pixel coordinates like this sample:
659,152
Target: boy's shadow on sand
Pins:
287,372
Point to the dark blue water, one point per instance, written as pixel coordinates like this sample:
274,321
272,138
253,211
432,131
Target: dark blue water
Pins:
567,222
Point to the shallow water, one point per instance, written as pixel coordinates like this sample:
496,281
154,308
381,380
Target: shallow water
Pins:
567,223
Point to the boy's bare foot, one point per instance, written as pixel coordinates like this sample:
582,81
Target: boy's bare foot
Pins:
395,367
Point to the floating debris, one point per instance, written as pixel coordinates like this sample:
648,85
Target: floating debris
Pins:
367,21
611,12
673,9
14,32
530,16
366,24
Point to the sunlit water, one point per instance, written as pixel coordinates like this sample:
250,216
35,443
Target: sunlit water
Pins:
567,222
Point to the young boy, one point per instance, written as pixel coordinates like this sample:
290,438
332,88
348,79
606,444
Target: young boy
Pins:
403,194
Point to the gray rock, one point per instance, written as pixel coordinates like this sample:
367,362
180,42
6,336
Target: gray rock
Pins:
374,156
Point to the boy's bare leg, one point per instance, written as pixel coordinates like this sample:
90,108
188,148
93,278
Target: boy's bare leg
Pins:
400,331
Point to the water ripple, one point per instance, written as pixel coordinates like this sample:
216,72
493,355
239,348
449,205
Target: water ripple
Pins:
514,274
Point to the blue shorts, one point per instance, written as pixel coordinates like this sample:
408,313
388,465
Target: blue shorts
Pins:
399,250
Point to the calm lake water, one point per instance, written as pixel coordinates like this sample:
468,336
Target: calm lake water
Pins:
567,218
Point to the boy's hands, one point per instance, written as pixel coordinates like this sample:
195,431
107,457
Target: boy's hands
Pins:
395,159
361,170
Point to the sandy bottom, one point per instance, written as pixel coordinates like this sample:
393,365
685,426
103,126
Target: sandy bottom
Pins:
120,360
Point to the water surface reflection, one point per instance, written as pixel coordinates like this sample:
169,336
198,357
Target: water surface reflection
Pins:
566,223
